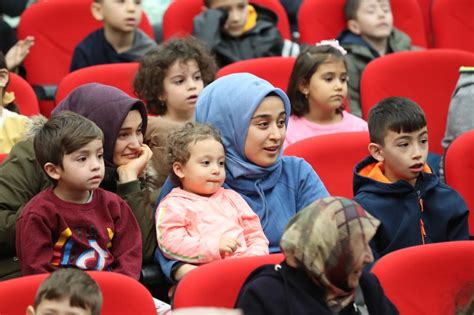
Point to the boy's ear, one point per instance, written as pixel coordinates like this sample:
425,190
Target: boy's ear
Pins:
52,170
376,151
96,10
353,26
178,169
30,310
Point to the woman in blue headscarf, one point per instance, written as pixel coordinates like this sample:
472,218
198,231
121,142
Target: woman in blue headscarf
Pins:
252,116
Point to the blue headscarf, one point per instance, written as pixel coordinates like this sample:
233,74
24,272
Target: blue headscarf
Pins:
229,104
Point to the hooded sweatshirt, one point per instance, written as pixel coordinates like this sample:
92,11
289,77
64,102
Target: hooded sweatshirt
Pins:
428,212
275,193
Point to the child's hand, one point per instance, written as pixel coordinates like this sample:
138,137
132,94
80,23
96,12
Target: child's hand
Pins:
227,245
18,52
135,167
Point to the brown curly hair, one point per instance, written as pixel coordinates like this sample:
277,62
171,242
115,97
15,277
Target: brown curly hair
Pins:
148,82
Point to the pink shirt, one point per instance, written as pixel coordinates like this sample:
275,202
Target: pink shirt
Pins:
189,226
300,128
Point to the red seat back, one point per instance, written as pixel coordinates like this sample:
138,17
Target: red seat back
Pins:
119,75
323,19
121,294
276,70
459,170
453,24
427,77
333,157
218,283
25,96
425,279
178,17
58,26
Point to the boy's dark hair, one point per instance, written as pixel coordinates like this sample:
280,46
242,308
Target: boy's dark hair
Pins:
179,141
63,134
350,9
154,65
306,65
207,3
397,114
74,284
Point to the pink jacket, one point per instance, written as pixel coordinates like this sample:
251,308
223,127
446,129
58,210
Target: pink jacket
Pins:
189,226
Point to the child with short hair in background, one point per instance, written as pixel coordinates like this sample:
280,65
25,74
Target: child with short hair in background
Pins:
370,34
318,91
200,221
120,40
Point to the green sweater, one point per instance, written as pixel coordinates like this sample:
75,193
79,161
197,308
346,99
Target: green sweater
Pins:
21,178
357,58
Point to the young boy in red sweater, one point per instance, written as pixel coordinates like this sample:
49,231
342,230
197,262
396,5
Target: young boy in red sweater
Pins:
75,223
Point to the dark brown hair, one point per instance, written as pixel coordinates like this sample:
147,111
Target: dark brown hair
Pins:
397,114
74,284
153,67
63,134
306,65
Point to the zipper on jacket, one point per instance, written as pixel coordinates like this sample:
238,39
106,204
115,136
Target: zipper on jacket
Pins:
422,224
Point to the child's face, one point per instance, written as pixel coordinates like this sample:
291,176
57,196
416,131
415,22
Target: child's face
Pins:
204,172
374,19
404,154
327,88
266,132
237,15
182,85
83,169
129,140
119,15
57,307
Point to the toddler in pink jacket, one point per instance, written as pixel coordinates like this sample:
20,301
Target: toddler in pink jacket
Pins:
201,221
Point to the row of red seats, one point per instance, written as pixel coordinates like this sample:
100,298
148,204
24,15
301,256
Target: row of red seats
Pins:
421,280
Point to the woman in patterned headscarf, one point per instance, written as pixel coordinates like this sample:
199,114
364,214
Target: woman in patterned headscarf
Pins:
326,247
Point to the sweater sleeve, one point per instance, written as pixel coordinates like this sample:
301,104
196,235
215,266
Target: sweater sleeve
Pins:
255,239
139,201
20,179
207,27
126,243
33,244
79,59
310,186
174,239
458,227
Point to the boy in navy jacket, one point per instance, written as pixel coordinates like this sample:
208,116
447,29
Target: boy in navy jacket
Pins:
396,186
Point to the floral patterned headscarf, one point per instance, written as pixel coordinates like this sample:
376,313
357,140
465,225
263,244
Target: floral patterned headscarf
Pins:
325,239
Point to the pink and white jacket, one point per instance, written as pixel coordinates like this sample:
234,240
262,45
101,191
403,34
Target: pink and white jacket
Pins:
189,226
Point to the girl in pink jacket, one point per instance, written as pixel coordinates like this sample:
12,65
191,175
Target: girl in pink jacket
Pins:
200,221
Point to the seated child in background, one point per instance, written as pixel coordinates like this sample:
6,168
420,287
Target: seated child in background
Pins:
397,187
120,40
12,124
67,291
369,35
317,91
461,111
200,221
235,31
169,79
76,223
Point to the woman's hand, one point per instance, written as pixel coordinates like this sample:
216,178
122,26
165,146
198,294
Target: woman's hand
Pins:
18,52
130,171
